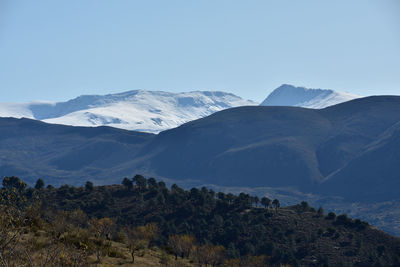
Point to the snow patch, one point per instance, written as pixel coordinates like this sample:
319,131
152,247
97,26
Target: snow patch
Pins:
288,95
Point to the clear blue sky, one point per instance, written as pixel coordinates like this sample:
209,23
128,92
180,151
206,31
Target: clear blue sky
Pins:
56,50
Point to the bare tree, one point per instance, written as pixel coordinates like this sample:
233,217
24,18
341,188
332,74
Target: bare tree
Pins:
181,245
140,237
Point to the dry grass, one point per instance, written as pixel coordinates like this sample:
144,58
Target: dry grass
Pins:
143,258
147,257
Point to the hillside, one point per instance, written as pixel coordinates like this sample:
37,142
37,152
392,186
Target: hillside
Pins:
64,154
345,154
289,95
140,110
200,226
247,146
259,142
280,146
379,163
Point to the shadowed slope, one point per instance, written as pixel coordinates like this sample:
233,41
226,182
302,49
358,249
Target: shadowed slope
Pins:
61,154
372,176
246,146
274,146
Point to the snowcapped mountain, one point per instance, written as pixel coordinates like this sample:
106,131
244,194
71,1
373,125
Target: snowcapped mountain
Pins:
289,95
146,111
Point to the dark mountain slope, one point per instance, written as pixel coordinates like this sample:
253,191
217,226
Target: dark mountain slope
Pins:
246,146
249,146
374,175
63,154
368,116
356,124
272,146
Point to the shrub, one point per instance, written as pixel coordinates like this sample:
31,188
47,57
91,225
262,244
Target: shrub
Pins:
331,216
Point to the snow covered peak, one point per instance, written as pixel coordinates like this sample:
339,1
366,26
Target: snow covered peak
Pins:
147,111
289,95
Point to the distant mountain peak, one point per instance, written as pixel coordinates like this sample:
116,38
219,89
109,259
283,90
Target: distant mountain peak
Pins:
289,95
141,110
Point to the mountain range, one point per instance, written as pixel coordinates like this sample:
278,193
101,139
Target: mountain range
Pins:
348,151
139,110
344,157
156,111
244,146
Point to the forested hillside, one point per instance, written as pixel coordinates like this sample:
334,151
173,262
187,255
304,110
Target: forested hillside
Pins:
121,223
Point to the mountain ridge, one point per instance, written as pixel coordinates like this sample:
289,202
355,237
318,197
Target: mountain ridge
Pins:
156,111
289,95
147,111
